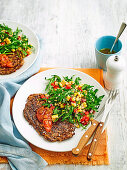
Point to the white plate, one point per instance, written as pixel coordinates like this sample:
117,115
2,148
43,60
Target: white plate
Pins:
32,38
37,84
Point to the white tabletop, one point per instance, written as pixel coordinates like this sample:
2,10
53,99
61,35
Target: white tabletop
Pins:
69,29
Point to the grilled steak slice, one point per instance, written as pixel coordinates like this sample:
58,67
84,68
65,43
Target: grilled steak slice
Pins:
17,62
60,130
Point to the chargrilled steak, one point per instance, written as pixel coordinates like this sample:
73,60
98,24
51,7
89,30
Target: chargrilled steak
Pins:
17,62
60,130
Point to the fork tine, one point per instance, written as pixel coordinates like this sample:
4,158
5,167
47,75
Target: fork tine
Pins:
109,97
112,95
116,93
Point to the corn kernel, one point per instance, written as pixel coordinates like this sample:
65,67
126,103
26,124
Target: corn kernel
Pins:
67,83
54,117
77,98
29,51
73,99
7,40
62,106
79,94
19,48
75,94
13,50
77,126
55,104
80,86
46,94
85,92
61,84
79,107
84,104
68,98
72,82
56,83
73,104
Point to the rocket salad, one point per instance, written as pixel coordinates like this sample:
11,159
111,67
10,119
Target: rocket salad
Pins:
11,41
70,100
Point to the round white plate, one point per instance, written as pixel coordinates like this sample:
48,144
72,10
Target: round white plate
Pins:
37,84
33,40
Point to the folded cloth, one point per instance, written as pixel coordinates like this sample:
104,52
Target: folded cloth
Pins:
12,144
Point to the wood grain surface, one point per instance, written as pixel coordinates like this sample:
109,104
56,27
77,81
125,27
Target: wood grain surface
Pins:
69,29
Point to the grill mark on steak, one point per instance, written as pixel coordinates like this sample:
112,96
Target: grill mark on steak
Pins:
60,130
17,62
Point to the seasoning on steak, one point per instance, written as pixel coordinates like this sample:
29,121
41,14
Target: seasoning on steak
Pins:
16,61
61,130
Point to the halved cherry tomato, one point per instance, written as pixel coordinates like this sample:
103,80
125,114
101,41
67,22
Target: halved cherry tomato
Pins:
75,110
68,86
56,87
19,37
84,120
86,113
3,43
53,84
7,33
80,88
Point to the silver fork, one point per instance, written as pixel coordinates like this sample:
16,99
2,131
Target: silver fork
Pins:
110,101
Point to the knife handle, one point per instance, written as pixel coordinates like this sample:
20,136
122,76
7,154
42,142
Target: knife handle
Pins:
94,142
85,138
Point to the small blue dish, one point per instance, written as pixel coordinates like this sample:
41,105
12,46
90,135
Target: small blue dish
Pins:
106,42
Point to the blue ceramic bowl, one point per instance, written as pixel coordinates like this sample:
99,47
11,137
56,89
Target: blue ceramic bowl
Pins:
106,42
